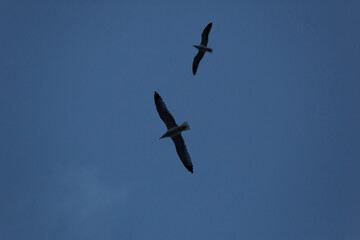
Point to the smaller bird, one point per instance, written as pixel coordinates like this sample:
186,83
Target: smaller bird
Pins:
174,131
202,47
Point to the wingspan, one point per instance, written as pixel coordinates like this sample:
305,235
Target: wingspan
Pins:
182,152
197,60
164,113
205,34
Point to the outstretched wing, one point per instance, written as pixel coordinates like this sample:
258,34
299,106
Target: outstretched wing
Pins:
205,34
197,60
182,152
164,113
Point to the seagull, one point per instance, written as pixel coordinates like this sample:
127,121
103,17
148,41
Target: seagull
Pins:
174,131
202,47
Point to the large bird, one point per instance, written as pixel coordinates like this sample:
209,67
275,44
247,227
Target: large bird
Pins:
202,47
174,131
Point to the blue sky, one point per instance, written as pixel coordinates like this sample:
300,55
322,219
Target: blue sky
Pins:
274,114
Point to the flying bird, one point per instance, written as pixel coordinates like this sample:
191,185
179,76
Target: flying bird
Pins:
202,47
174,131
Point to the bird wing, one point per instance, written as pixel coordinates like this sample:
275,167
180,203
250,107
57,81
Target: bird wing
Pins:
164,113
182,152
197,60
205,34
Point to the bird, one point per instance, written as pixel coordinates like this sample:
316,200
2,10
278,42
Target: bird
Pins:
202,47
174,131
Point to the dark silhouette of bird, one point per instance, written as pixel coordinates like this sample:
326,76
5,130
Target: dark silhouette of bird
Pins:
202,47
174,131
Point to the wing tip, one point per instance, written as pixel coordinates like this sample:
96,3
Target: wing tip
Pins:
156,95
194,70
209,26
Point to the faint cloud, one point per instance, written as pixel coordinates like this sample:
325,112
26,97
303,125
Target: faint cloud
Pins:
84,195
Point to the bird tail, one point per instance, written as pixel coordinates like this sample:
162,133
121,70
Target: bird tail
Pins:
185,126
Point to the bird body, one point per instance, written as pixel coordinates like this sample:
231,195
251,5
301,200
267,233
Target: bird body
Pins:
172,132
203,48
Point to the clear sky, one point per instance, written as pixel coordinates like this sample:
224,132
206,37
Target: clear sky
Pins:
274,114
